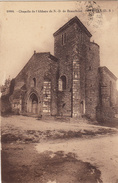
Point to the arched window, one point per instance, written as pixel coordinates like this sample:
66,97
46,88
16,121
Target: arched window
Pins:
33,82
62,83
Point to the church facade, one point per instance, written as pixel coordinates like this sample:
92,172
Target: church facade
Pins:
71,83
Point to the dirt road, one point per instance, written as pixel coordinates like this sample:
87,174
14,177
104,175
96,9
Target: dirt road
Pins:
101,152
36,151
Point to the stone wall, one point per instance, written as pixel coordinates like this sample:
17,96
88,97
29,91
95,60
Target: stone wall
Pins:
92,80
72,64
79,54
64,51
107,87
64,103
107,94
41,66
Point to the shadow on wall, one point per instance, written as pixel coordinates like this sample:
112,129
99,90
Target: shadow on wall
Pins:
105,114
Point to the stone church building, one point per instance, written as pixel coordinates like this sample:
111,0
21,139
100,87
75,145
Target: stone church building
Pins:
69,83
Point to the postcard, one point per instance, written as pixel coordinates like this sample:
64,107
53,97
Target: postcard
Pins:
59,92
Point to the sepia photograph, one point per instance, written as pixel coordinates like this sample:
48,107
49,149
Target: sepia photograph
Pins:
59,92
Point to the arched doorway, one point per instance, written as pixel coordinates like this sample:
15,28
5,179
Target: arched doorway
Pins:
33,104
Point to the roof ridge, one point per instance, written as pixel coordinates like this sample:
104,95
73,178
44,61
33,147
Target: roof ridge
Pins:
77,20
42,52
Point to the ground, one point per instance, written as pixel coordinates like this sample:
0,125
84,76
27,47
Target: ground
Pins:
57,151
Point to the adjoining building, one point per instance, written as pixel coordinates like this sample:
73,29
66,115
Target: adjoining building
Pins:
70,83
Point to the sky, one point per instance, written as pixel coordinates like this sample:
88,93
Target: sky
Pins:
29,26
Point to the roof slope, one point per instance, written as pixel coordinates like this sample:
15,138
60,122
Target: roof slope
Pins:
35,57
70,22
108,71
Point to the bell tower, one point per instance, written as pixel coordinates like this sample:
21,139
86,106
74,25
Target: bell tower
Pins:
69,49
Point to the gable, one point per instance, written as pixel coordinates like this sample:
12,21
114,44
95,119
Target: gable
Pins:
71,22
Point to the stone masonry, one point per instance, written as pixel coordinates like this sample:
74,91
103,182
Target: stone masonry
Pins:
70,83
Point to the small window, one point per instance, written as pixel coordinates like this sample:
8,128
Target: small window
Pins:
62,83
64,39
33,82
